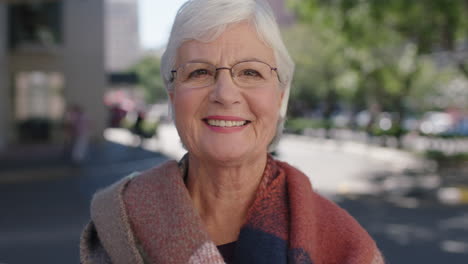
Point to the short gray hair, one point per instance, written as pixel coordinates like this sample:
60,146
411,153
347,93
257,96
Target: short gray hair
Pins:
205,20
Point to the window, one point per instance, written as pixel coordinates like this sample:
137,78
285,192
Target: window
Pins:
39,95
35,23
39,105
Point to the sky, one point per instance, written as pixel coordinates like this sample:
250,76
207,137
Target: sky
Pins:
155,21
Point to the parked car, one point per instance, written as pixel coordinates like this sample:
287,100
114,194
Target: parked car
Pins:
436,123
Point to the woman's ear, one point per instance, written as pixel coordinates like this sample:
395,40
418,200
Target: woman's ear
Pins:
171,96
281,98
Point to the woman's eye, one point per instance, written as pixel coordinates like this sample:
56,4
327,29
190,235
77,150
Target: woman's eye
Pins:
251,73
198,73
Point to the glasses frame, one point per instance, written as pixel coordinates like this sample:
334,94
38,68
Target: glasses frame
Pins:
174,71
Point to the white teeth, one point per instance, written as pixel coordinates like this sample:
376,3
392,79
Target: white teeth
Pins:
225,123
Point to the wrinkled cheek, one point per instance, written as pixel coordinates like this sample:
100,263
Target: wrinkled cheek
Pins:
273,125
265,132
181,124
272,131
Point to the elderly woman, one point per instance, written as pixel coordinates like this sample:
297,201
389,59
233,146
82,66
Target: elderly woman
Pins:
228,75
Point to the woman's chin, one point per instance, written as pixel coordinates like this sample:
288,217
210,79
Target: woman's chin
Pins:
229,154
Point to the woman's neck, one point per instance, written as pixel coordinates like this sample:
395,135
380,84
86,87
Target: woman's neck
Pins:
223,194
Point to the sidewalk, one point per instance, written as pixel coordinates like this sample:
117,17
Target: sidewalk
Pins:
46,162
46,200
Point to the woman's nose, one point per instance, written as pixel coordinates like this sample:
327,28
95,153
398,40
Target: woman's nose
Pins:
225,91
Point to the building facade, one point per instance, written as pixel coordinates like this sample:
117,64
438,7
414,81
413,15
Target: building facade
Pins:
5,108
51,56
122,35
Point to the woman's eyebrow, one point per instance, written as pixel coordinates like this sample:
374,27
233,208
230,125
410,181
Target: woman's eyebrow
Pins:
254,59
198,61
202,60
250,59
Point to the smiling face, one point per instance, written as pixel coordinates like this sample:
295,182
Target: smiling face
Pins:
224,122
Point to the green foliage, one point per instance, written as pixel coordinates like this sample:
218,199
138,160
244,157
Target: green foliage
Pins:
442,157
427,84
297,125
430,24
375,54
320,69
150,81
127,123
148,127
394,131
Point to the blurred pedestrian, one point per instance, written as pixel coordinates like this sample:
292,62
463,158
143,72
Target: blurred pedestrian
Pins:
138,129
116,115
76,125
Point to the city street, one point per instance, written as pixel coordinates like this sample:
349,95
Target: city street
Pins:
42,218
373,94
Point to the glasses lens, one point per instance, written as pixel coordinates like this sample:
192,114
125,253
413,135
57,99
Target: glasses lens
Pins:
245,74
252,73
196,74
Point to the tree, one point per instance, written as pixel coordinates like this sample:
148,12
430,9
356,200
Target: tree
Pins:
385,42
317,65
321,79
150,81
433,26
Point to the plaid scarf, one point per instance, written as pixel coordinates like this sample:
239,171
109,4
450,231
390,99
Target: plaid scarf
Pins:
287,223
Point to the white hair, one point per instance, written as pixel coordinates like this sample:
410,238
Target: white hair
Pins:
205,20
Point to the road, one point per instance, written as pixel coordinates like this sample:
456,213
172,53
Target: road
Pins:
41,220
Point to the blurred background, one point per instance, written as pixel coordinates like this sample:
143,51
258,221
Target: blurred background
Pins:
378,116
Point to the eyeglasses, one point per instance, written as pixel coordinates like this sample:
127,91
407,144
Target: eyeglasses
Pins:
245,74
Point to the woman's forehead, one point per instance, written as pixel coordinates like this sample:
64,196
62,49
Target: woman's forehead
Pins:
239,42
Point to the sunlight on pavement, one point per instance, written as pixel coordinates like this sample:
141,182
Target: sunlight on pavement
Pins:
454,246
453,195
405,234
167,141
120,136
340,167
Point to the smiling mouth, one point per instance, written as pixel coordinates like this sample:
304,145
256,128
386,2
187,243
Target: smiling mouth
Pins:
225,123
